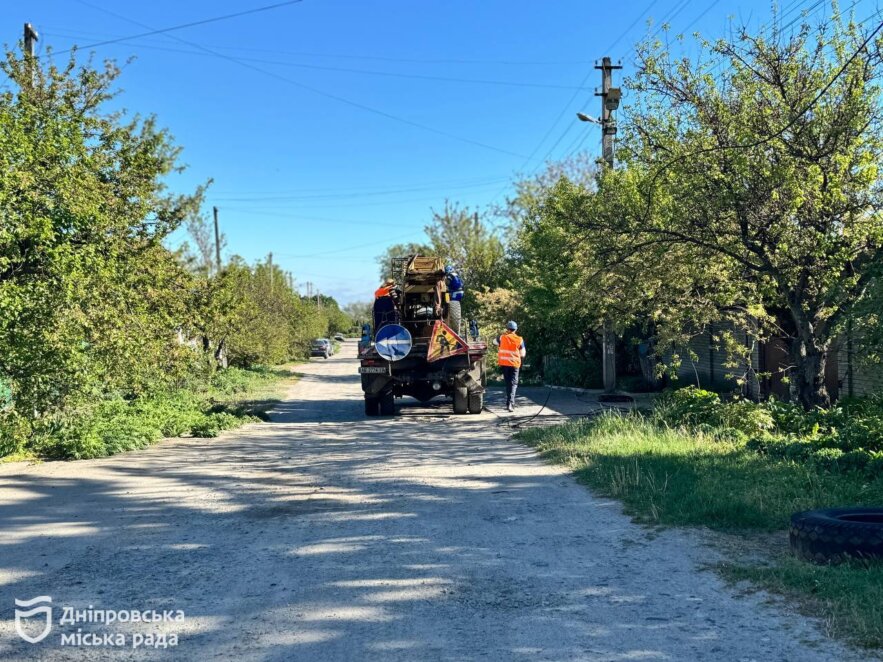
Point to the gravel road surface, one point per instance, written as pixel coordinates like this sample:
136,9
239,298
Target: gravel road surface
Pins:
328,536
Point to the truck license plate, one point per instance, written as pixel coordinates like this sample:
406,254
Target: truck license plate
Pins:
373,370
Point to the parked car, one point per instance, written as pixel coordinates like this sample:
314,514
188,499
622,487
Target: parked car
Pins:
339,337
321,347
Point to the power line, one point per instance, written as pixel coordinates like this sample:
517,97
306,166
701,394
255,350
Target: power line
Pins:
429,186
351,248
670,16
569,103
582,84
183,26
73,34
314,90
339,195
368,72
779,132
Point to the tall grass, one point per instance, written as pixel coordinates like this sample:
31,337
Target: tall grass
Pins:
231,398
676,476
683,476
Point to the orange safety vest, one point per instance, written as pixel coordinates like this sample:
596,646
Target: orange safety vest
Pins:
509,353
383,291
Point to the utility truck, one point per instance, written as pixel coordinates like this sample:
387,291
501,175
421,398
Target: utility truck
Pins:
419,347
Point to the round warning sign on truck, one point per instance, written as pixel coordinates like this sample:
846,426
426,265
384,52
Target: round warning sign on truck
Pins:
393,342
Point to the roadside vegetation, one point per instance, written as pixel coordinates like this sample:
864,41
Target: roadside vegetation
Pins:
742,468
109,337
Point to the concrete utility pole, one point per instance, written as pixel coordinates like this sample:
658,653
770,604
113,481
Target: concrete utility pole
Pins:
610,97
609,103
217,241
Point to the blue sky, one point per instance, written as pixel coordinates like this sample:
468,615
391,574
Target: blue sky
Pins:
331,127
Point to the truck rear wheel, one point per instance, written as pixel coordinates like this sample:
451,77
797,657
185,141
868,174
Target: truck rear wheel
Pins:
387,404
476,403
372,406
461,400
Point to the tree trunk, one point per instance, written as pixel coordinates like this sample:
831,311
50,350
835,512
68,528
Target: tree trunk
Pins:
221,354
809,374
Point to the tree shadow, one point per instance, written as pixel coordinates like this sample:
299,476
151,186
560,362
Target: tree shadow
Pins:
326,535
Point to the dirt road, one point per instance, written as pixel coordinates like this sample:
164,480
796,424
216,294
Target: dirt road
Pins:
326,536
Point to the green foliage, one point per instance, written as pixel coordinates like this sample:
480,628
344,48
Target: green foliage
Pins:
116,424
679,476
693,406
683,476
846,438
730,202
572,372
103,330
849,596
464,240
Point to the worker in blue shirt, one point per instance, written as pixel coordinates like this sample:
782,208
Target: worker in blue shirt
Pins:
455,283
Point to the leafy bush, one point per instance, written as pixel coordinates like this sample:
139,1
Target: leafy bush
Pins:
688,407
117,424
846,438
211,425
692,407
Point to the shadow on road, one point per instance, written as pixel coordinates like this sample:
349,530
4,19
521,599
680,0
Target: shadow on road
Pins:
326,535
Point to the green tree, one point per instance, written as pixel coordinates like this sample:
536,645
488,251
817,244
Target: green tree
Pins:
90,300
765,179
463,239
384,261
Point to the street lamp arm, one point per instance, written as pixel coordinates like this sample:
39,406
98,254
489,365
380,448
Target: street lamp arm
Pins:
587,118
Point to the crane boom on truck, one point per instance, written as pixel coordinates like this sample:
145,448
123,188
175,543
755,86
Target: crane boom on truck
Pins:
417,348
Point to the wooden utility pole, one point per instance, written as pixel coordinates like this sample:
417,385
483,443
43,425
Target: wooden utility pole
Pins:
609,102
31,38
217,242
270,266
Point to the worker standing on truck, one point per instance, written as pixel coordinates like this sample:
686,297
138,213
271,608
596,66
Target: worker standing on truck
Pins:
386,289
455,283
511,351
385,310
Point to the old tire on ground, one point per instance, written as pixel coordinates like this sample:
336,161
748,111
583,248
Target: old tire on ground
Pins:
372,406
461,400
476,402
454,315
833,535
387,403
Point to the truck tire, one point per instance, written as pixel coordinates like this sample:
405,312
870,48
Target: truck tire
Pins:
454,315
387,404
461,400
834,534
372,406
476,402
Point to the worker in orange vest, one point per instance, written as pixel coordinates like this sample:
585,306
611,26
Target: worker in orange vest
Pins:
511,351
386,289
